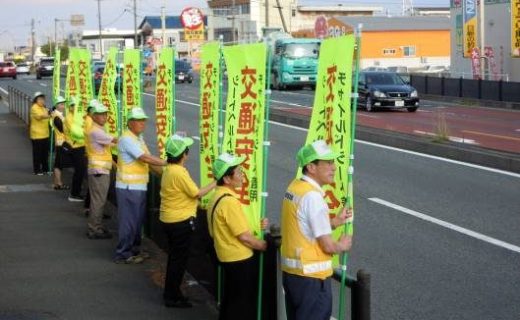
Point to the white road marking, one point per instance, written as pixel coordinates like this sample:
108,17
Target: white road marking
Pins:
291,104
454,139
43,84
470,165
367,115
448,225
195,138
4,91
29,80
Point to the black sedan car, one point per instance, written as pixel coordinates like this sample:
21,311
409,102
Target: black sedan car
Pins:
384,89
183,71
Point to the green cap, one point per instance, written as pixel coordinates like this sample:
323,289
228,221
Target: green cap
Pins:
224,162
177,144
318,150
73,101
59,100
137,113
96,107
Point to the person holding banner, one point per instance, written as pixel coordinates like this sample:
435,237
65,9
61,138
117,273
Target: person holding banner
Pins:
39,134
98,146
179,200
131,183
307,244
75,143
234,241
59,138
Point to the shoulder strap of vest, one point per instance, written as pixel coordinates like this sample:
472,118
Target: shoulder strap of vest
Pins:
215,206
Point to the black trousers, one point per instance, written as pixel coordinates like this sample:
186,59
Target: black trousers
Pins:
179,235
307,298
79,162
240,284
40,155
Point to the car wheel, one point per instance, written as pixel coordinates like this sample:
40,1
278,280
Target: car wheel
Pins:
38,77
274,82
411,109
190,81
369,104
14,77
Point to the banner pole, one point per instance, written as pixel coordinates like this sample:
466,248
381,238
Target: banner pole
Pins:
349,226
220,142
173,128
120,74
266,144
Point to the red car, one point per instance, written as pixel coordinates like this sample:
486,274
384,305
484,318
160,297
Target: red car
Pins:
7,69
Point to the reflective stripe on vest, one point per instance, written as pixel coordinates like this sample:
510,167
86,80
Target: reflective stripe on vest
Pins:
307,268
59,137
97,159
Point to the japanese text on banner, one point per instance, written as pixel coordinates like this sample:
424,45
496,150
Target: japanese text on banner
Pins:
56,75
164,99
131,81
107,94
331,115
209,113
84,79
470,26
71,81
245,112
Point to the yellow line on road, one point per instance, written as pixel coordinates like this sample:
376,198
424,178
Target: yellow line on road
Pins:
491,135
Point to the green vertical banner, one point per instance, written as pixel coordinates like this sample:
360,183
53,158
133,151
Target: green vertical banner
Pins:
71,81
131,81
107,94
209,113
331,115
56,75
245,113
84,78
164,98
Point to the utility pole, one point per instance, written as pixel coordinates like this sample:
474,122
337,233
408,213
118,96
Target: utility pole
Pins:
163,23
33,40
482,40
99,26
267,13
135,24
233,21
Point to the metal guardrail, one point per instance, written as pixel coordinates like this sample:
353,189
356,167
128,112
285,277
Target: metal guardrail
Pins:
19,103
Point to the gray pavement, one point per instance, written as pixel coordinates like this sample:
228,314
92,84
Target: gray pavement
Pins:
50,270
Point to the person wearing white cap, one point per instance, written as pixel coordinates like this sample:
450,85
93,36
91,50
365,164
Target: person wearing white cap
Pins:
56,122
131,184
179,200
39,134
234,241
98,146
307,243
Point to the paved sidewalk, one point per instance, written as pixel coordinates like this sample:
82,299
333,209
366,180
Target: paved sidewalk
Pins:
48,267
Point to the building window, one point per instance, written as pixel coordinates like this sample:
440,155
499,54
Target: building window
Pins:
409,51
388,52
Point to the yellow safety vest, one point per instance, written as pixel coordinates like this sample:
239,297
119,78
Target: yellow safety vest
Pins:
59,137
301,256
97,159
135,172
73,131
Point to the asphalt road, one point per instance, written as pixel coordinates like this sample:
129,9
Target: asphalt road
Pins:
440,238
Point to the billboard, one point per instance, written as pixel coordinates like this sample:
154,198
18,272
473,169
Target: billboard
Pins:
193,22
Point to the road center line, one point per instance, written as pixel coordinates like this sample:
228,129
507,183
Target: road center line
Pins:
442,223
43,84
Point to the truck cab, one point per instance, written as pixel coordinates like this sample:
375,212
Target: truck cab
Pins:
294,62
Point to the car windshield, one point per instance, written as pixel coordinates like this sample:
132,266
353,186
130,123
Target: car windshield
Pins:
300,50
182,66
384,78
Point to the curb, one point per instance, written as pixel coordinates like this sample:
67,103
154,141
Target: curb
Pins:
450,150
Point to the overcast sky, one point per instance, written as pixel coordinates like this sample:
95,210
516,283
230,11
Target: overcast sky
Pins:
15,15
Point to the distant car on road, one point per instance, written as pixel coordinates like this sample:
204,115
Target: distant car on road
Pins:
98,76
374,68
22,68
386,90
183,71
45,67
7,70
